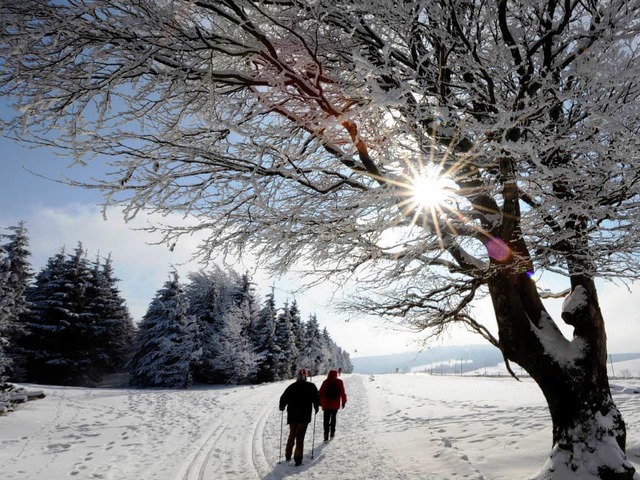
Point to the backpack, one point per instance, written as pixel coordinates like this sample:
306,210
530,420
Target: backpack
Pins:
333,391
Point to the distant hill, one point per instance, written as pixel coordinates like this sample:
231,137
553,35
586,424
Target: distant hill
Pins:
446,360
439,359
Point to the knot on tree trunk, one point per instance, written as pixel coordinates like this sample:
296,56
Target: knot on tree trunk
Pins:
575,306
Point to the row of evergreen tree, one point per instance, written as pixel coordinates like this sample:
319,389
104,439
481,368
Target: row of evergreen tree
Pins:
70,325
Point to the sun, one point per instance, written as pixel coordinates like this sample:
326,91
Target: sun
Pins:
429,190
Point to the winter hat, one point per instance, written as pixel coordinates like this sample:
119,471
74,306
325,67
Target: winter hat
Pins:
302,374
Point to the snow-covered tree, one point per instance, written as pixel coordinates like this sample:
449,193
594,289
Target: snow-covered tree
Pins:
77,328
264,341
222,304
285,351
235,360
41,343
297,327
57,343
241,318
17,273
245,298
434,152
331,351
19,268
344,361
61,328
313,355
165,347
5,315
204,291
210,297
113,330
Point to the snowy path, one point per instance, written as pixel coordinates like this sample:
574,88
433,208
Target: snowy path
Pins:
233,446
395,427
246,444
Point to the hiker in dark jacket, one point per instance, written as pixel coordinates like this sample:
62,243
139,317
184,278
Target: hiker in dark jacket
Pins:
332,395
299,398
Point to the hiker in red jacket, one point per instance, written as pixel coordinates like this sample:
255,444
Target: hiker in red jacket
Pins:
332,395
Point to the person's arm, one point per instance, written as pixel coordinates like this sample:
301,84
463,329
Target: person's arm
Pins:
343,394
316,399
284,399
321,393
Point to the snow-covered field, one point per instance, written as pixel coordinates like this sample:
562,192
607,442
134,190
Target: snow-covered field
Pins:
395,426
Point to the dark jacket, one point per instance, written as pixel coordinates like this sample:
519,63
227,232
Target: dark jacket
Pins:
328,403
300,398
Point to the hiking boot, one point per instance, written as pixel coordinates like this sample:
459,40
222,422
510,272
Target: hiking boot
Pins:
298,463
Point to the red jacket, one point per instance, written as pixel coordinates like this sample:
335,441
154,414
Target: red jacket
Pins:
332,404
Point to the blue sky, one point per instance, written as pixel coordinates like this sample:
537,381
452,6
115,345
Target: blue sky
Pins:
60,215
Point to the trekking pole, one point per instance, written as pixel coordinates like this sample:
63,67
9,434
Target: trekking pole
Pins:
313,438
281,423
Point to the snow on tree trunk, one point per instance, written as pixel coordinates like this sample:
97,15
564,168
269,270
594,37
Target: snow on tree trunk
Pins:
588,430
587,446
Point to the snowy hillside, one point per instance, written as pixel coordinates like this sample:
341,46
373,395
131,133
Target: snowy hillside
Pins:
393,427
625,369
481,359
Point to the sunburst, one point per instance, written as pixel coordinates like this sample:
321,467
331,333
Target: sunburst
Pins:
429,190
429,197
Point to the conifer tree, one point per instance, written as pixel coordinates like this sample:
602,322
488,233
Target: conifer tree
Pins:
245,298
342,359
223,304
5,315
235,361
312,356
265,341
18,275
209,294
329,353
78,324
297,330
286,353
165,347
240,318
114,331
47,324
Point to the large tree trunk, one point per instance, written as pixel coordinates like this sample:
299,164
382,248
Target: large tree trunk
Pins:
588,430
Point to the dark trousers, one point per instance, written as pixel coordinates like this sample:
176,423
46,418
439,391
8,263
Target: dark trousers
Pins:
330,423
296,436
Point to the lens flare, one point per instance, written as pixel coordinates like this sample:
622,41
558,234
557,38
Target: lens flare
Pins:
497,249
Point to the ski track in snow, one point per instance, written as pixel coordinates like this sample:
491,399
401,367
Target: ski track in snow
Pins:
247,445
394,427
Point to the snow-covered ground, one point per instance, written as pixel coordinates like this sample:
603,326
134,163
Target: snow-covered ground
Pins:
395,426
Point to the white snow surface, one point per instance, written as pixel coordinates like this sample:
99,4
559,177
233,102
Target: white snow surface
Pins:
395,426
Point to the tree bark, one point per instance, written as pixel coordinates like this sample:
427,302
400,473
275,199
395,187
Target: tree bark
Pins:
589,433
